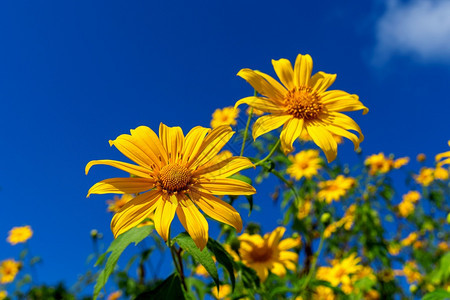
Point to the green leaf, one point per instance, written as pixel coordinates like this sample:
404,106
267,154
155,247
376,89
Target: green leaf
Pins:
134,235
437,295
223,257
203,257
168,289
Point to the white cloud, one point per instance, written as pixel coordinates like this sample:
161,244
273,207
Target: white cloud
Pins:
419,28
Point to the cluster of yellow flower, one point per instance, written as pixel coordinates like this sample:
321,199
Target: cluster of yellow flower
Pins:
406,207
379,164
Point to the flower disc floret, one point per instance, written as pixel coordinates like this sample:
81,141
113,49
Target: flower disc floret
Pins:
174,178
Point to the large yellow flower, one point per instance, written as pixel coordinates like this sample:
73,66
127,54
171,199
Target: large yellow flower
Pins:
8,270
269,253
175,174
302,102
19,235
335,189
304,164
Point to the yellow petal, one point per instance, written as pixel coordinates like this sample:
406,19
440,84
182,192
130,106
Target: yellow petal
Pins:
324,140
439,156
278,269
342,132
275,236
224,186
321,81
278,86
219,210
290,265
193,142
212,144
151,144
260,84
164,215
302,70
268,123
261,271
194,223
345,122
284,71
288,255
342,101
291,131
289,243
224,168
132,169
134,212
172,139
263,104
121,186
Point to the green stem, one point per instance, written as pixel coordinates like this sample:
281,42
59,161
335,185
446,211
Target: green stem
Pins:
270,154
178,265
288,183
314,263
246,127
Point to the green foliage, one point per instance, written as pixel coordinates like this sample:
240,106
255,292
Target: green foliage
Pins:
437,295
223,258
168,289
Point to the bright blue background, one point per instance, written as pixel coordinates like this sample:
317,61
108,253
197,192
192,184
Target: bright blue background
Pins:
75,74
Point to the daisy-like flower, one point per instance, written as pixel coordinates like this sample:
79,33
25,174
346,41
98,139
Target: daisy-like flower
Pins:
19,235
378,163
411,272
224,116
175,174
443,158
8,270
406,207
440,173
301,102
425,176
269,252
334,189
118,202
304,164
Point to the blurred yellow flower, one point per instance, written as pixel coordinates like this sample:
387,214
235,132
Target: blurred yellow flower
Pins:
406,207
115,295
224,291
225,116
400,162
175,174
3,295
411,272
421,157
300,103
201,271
443,158
412,196
380,164
440,173
443,246
394,248
118,202
269,252
323,293
347,221
19,235
306,163
425,176
334,189
304,209
341,272
8,270
410,239
372,295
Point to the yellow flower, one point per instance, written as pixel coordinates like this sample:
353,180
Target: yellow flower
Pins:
114,296
301,102
201,271
118,202
175,173
8,270
3,295
19,235
304,209
400,162
443,246
412,196
225,116
443,158
394,249
411,272
224,291
323,293
329,230
405,208
425,176
411,238
341,272
269,253
378,163
334,189
440,173
421,157
305,164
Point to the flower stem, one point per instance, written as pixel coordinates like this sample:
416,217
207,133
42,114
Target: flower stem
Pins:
246,127
275,147
176,256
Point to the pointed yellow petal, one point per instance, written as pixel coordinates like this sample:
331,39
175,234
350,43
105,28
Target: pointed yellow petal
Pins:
288,255
194,223
323,139
342,101
302,70
219,210
441,155
164,215
291,131
261,271
134,212
132,169
345,122
284,71
224,186
342,132
278,86
260,84
278,269
193,142
172,139
275,237
224,168
268,123
121,186
153,146
321,81
264,104
289,243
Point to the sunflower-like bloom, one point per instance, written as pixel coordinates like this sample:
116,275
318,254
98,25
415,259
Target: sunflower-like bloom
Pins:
8,270
443,158
224,116
304,164
406,207
335,189
301,102
378,163
411,272
19,235
269,253
425,176
175,174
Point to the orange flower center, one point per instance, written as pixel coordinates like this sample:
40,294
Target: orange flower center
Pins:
303,103
174,178
261,254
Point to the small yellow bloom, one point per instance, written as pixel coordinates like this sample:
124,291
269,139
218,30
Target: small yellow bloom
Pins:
201,271
443,246
421,157
394,249
400,162
378,163
269,252
341,272
329,230
300,103
19,235
410,239
304,209
335,189
425,176
224,291
3,295
418,245
115,296
8,270
441,173
306,164
412,196
118,202
225,116
411,272
443,158
175,174
405,208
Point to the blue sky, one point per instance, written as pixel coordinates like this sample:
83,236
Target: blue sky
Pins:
75,74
